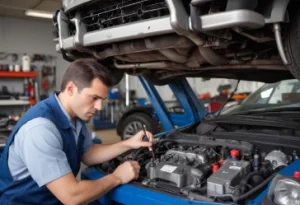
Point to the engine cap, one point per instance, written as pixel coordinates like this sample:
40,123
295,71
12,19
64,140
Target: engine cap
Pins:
234,153
297,174
215,167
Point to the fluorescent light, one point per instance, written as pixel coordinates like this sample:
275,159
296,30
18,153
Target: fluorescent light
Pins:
41,14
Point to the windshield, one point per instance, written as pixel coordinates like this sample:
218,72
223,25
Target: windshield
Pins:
281,93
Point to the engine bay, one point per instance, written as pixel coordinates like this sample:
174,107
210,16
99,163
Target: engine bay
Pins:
208,168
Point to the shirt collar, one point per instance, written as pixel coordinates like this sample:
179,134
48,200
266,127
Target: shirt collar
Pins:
77,123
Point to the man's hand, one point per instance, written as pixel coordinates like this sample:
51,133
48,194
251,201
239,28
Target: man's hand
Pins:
136,141
127,171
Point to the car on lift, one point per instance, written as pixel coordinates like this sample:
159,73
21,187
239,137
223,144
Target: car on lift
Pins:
168,39
219,159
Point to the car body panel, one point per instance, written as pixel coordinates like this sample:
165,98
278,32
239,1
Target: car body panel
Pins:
132,194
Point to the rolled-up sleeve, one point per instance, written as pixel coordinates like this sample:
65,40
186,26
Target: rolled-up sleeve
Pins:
42,152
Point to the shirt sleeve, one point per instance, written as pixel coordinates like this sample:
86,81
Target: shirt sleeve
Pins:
41,149
88,140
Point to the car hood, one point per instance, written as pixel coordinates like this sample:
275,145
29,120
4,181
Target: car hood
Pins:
264,109
270,75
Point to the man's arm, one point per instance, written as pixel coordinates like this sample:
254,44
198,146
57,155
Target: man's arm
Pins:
70,191
100,153
41,149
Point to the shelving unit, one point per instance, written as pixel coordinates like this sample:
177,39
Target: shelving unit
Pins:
14,102
6,74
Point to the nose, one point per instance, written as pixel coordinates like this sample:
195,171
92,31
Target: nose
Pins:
98,105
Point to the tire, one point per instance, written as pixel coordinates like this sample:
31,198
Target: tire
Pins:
134,122
292,45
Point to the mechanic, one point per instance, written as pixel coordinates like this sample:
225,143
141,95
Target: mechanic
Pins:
43,154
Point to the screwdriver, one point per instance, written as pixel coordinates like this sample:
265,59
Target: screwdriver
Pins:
145,138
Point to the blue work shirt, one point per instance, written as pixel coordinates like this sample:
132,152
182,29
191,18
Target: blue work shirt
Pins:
39,142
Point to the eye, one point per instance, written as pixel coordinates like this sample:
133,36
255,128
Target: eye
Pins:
94,98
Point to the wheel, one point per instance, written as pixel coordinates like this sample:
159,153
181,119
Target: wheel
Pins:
133,123
292,45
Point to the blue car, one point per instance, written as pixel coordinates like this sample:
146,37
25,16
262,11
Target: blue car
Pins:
239,159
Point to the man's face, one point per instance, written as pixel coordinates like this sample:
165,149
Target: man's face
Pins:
84,104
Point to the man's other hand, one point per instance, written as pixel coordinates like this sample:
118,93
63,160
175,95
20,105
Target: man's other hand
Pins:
127,171
136,141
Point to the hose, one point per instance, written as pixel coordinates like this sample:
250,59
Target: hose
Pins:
194,196
138,152
251,174
255,189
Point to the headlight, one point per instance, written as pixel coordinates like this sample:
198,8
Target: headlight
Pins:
287,192
284,191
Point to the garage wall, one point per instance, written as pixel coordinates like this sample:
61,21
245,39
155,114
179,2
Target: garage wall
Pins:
198,85
31,37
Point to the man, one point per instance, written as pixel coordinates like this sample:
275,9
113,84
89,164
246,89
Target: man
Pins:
43,153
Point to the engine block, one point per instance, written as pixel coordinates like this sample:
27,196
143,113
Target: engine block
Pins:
227,177
191,157
183,167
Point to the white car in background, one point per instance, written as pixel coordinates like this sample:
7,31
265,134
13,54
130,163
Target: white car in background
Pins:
282,93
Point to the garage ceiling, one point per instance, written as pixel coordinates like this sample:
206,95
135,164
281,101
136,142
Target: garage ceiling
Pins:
17,8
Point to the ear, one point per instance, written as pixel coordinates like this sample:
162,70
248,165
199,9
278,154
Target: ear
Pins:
71,88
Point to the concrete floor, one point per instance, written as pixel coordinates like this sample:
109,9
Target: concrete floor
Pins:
108,136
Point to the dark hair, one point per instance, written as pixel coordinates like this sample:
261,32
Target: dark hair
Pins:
83,71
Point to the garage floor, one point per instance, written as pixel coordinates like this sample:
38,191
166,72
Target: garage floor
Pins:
107,136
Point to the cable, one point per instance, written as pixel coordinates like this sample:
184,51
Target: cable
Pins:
255,189
212,149
230,96
138,152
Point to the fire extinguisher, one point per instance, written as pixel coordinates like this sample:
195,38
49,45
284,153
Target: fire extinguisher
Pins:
45,84
31,89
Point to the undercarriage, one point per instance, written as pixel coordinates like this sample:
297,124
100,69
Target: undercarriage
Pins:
168,39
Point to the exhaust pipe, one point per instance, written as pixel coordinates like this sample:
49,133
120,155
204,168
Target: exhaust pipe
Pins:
180,23
277,31
151,65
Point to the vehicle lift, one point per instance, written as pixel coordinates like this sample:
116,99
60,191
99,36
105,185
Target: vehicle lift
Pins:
194,111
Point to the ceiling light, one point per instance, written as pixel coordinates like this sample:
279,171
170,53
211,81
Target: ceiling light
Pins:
41,14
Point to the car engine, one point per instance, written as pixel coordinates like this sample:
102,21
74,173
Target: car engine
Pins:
206,168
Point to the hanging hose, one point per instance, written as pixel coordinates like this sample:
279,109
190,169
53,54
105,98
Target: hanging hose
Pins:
277,31
255,189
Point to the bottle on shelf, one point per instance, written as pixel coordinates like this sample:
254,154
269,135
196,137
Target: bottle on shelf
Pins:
26,63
